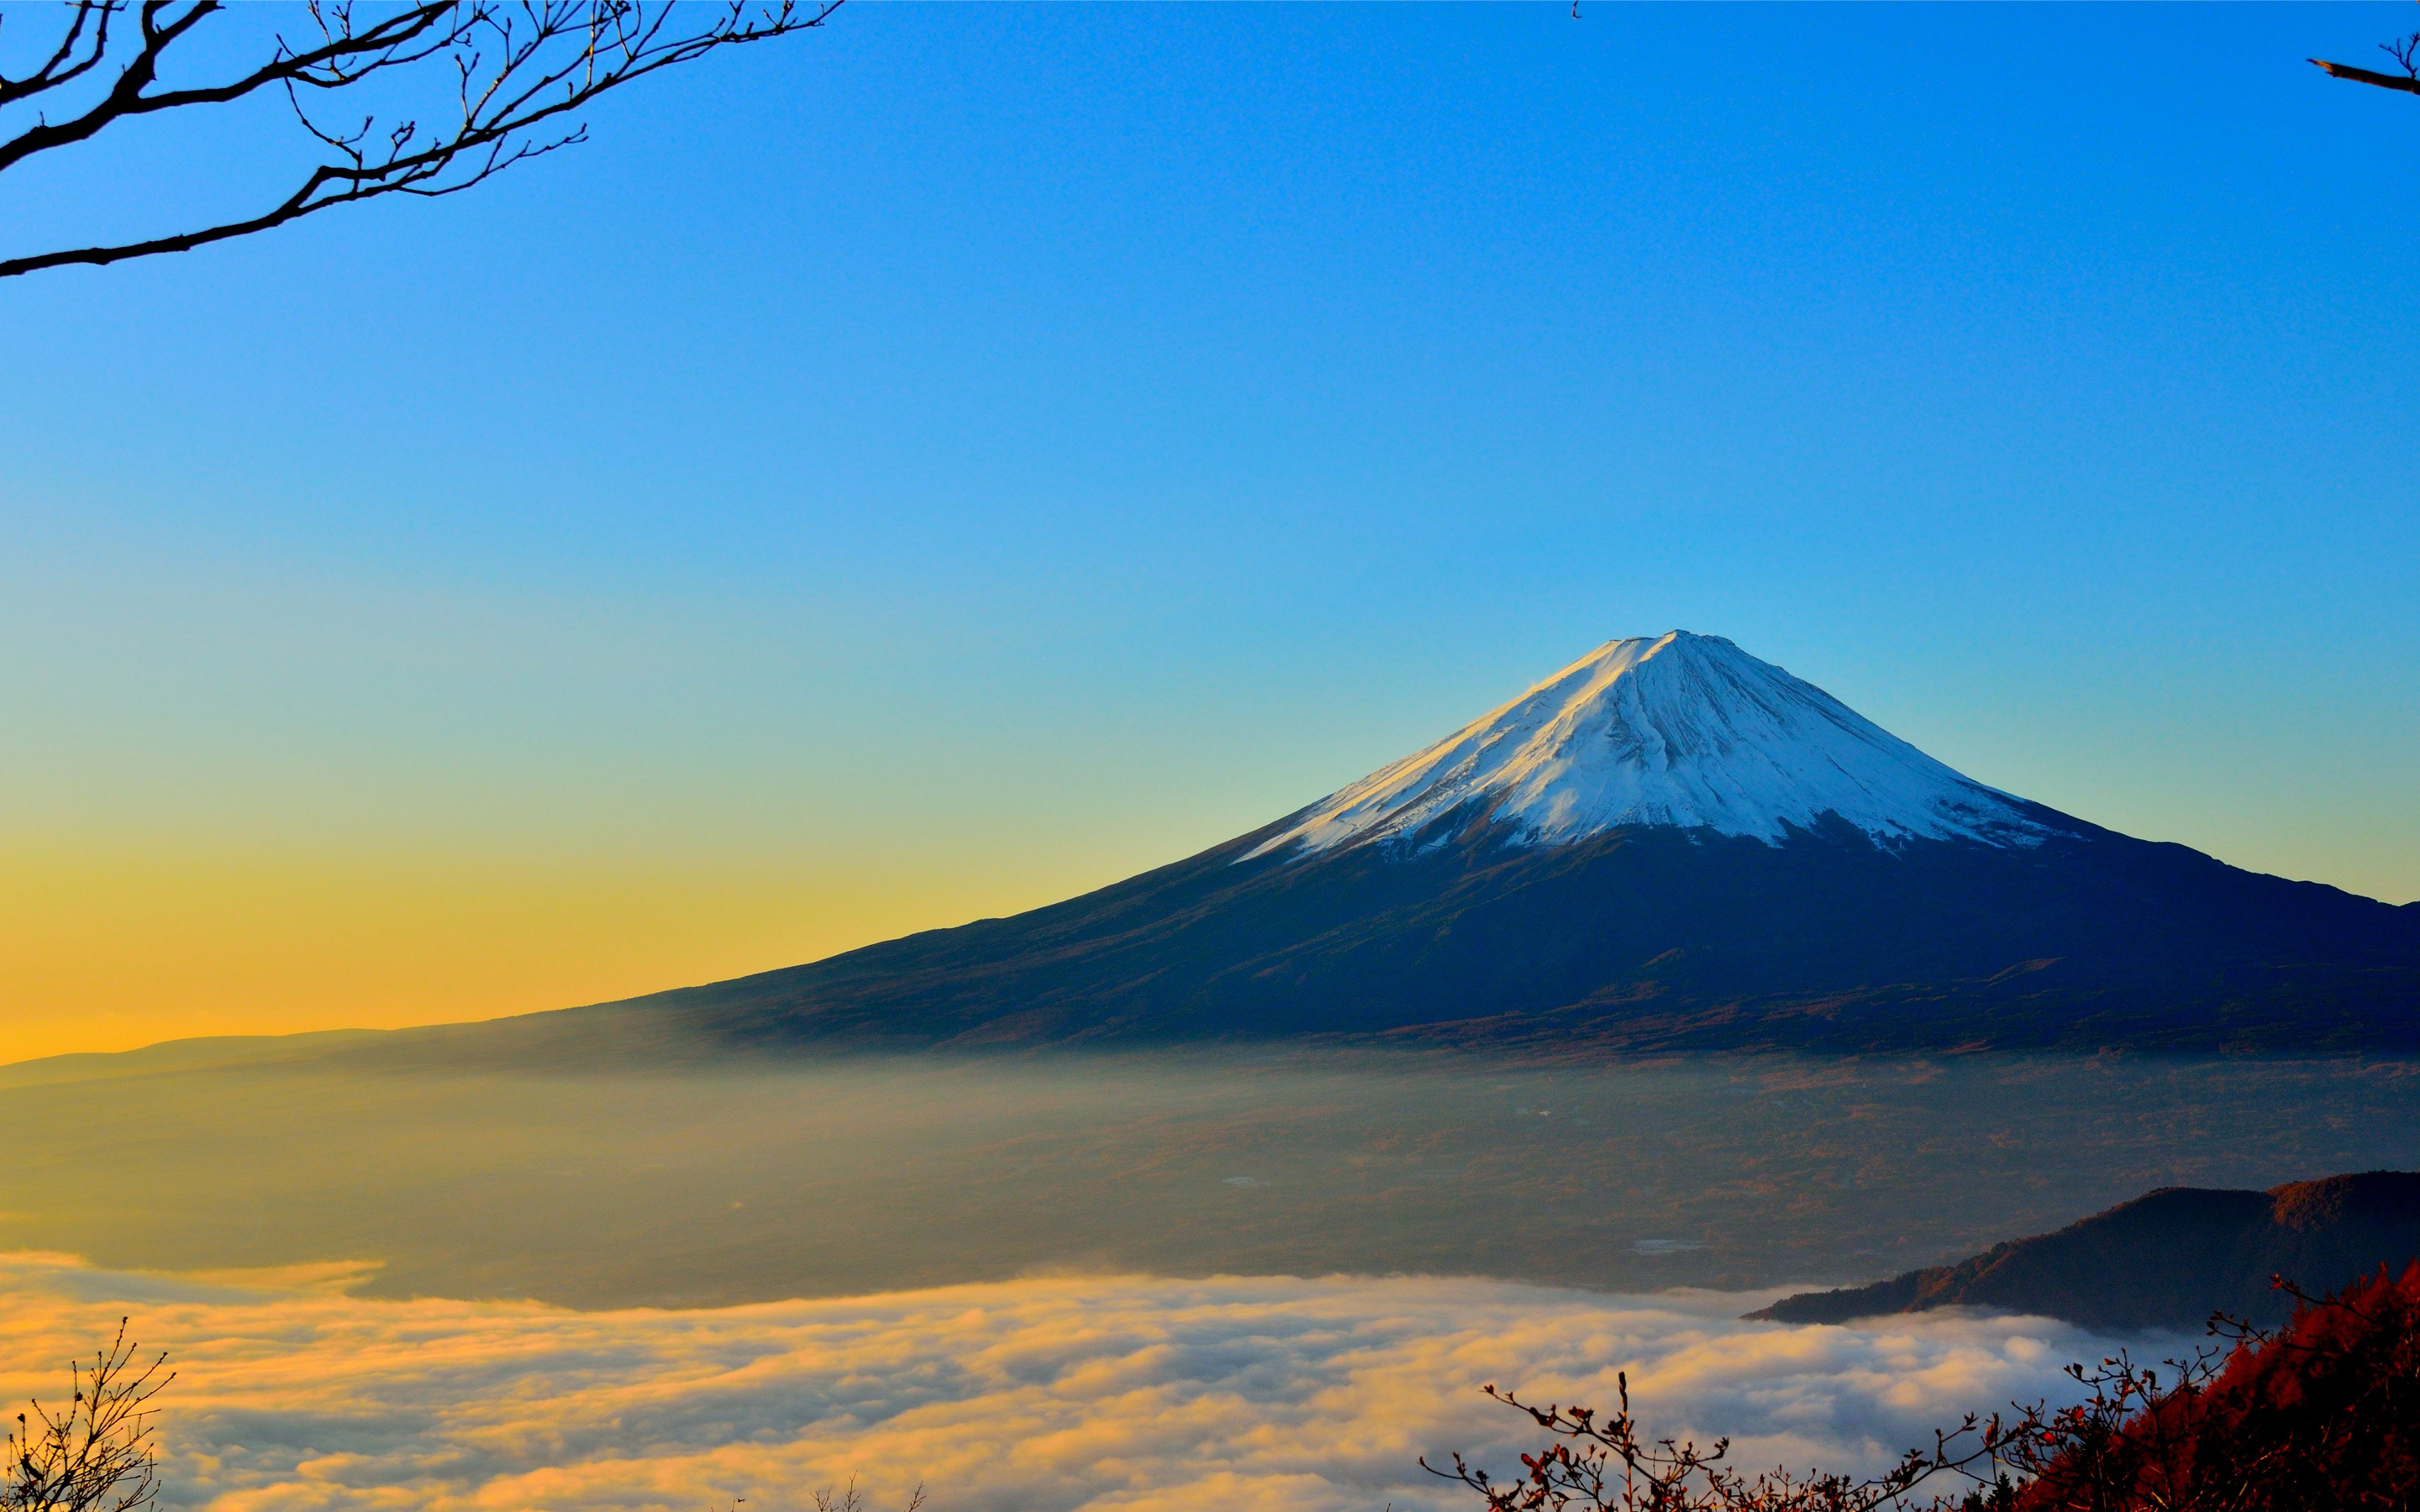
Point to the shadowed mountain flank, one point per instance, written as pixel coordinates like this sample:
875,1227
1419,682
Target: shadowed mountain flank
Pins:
1640,938
1667,845
2170,1258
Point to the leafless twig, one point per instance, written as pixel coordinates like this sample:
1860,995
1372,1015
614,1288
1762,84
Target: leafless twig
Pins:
97,1453
2406,54
513,69
1604,1464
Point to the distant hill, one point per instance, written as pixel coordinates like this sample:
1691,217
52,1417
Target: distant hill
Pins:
1670,844
2170,1258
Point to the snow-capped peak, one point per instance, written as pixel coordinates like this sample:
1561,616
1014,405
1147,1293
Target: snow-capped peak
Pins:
1679,730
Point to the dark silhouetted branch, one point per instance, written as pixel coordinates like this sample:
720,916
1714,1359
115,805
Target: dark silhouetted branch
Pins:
2406,55
512,72
2383,81
95,1454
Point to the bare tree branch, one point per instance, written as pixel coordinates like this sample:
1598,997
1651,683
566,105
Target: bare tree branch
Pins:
1606,1463
96,1454
85,43
2385,81
513,68
2406,54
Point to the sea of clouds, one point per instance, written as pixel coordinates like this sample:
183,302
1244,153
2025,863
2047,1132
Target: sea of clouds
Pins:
1051,1393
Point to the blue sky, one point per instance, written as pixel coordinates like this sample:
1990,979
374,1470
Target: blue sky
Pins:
925,468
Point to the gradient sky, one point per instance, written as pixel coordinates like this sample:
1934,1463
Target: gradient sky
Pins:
927,467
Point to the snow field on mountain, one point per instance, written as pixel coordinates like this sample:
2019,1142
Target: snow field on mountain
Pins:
1680,729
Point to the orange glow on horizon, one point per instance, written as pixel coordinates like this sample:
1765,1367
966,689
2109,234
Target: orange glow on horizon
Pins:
111,949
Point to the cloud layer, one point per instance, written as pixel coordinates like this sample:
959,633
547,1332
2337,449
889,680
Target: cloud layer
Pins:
1093,1393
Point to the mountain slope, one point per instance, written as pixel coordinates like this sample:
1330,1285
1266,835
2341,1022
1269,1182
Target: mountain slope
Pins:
2169,1257
1682,731
1670,843
1641,938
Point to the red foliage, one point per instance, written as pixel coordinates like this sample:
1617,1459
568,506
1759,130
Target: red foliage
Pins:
2324,1413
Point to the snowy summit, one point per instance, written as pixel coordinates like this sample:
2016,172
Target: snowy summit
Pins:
1679,730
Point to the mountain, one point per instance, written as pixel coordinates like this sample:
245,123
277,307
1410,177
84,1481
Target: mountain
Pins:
1666,845
2168,1259
1682,731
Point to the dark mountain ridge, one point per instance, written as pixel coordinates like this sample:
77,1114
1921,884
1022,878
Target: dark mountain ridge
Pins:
2167,1259
1669,844
1640,937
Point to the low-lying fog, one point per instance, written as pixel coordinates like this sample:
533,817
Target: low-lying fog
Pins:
861,1175
1093,1394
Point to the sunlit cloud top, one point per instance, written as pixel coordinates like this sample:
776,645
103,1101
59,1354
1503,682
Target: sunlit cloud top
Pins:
1050,1395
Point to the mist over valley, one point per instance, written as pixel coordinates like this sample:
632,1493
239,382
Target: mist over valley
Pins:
828,1176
